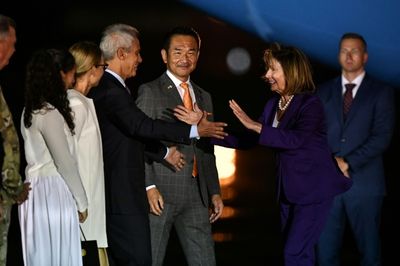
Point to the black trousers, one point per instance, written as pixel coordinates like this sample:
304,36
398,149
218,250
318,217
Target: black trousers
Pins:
129,240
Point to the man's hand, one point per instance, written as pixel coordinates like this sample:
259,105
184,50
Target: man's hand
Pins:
156,201
83,215
217,207
175,158
191,117
343,165
205,128
23,195
211,129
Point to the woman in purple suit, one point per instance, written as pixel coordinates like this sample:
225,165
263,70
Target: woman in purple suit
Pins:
293,125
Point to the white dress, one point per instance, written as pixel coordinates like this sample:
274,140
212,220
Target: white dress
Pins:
88,152
49,218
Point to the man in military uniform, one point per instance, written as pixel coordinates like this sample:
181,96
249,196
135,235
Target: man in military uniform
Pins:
12,190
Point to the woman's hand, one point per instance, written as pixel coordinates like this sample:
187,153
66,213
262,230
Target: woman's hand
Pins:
244,118
23,195
82,215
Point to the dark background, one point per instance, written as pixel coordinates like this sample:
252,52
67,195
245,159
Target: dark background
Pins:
251,236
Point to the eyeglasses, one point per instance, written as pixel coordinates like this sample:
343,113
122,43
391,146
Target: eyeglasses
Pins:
102,65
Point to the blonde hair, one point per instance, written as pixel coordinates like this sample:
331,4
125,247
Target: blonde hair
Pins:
296,67
86,54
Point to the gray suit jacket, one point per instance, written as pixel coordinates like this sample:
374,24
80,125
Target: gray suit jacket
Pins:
157,98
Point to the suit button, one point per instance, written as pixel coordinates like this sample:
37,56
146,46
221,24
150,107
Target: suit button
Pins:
343,140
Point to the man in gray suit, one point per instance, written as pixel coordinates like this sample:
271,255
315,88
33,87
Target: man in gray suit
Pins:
181,199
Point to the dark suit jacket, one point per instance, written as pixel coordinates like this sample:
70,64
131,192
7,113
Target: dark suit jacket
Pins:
156,98
122,126
365,134
306,170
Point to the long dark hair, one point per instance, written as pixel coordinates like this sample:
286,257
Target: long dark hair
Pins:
44,84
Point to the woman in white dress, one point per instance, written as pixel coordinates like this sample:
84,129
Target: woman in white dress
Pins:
49,219
87,148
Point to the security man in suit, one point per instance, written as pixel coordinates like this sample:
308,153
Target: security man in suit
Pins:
360,116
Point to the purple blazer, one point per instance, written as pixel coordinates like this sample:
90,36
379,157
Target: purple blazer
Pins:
306,170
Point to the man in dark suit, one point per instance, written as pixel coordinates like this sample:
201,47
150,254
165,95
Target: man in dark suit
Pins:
360,120
124,129
181,199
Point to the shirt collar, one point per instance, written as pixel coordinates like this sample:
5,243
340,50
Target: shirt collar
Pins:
176,81
356,81
118,77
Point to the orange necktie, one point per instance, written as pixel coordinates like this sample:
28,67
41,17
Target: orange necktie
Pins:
187,102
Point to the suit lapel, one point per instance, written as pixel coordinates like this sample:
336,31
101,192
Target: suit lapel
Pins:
269,111
115,81
198,96
169,88
337,97
291,110
362,93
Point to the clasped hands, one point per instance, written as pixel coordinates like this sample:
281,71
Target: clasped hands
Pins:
343,165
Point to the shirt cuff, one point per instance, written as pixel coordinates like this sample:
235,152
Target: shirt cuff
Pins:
194,132
166,154
150,187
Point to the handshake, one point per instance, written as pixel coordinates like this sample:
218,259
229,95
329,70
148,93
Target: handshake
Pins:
198,117
205,128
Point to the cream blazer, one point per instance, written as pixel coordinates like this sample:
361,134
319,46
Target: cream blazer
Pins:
87,149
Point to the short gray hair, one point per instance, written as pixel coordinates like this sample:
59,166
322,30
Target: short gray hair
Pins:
117,36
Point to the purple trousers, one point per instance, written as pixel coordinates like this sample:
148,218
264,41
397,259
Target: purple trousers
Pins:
302,225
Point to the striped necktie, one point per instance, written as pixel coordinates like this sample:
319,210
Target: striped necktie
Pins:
348,98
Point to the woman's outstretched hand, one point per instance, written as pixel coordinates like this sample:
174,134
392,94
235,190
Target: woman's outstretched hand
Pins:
244,118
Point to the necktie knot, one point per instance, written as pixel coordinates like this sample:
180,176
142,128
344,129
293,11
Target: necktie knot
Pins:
185,86
349,86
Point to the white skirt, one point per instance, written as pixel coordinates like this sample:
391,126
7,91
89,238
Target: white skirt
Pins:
49,224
